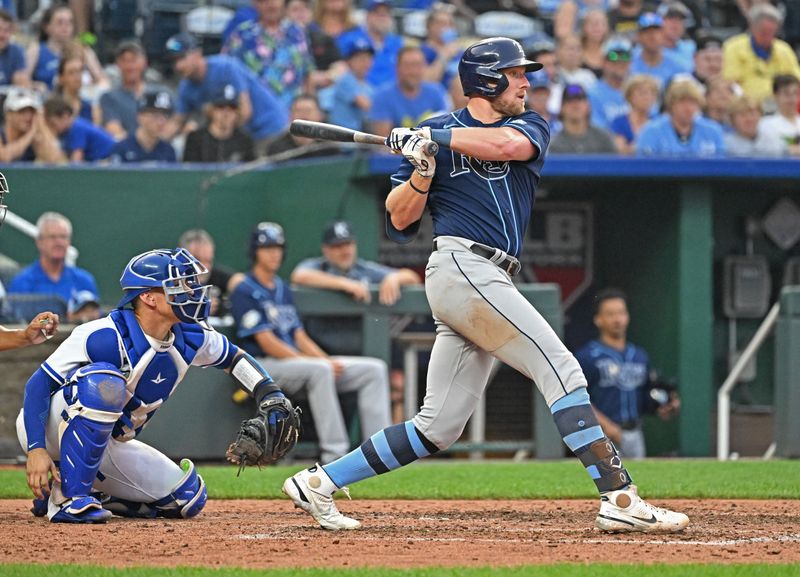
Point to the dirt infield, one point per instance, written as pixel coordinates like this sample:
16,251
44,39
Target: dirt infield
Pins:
407,534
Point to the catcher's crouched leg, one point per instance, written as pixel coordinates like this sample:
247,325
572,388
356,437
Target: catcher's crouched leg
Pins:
185,501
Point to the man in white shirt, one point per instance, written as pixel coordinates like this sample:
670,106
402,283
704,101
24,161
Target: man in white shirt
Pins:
786,121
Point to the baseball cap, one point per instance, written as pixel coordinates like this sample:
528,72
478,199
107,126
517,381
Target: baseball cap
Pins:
338,232
650,20
357,46
618,50
538,48
180,44
21,99
708,41
128,46
80,299
674,10
157,100
225,95
573,92
538,79
372,4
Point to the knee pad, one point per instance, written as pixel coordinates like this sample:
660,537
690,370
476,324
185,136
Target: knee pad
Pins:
188,497
96,396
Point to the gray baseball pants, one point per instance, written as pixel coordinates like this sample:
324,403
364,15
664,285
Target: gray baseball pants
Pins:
480,315
367,376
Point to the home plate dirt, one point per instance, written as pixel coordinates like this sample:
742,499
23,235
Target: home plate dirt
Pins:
407,534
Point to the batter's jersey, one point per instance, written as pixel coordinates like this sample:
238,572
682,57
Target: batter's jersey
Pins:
616,379
487,201
153,368
257,308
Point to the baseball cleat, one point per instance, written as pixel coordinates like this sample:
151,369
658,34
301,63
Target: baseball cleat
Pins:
624,511
81,510
307,490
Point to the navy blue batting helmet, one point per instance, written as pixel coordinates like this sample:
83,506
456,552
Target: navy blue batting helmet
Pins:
482,64
266,234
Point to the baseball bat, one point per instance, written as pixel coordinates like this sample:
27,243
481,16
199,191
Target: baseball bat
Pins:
324,131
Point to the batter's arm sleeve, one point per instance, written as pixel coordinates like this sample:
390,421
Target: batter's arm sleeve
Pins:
36,407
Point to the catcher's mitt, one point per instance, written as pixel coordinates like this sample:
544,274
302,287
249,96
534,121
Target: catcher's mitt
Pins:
268,436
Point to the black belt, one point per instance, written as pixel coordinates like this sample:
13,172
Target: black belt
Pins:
508,264
630,425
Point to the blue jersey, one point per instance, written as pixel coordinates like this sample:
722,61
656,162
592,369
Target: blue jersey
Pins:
95,142
12,60
344,111
153,368
658,138
269,116
663,71
616,379
46,66
129,150
489,202
257,308
392,106
607,103
384,64
33,280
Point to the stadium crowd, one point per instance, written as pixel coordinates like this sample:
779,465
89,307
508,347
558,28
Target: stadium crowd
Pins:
630,77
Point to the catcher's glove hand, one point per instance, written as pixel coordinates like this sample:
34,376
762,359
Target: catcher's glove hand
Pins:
268,436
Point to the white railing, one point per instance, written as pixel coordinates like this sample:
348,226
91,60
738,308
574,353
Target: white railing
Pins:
29,229
724,393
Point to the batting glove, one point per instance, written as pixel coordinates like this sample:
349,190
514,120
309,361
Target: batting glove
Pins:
398,137
414,151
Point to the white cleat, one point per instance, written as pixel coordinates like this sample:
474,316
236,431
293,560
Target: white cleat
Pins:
624,511
307,489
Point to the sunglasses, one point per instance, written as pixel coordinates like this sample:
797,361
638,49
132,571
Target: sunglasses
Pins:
614,56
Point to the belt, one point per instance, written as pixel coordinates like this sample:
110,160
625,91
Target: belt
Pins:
630,425
509,264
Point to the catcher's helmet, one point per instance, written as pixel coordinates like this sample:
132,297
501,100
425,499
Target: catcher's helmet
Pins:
176,271
481,66
266,234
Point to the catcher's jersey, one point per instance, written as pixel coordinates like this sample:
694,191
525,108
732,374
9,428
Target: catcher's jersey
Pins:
489,202
153,368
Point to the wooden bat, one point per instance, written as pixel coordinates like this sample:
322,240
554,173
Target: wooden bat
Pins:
323,131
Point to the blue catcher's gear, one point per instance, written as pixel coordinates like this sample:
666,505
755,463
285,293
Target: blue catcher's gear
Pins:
185,501
3,193
176,271
481,66
96,394
266,234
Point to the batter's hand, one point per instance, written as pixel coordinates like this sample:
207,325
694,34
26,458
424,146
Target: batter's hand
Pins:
414,151
38,466
398,137
390,290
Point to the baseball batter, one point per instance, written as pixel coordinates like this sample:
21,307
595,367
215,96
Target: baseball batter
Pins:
480,189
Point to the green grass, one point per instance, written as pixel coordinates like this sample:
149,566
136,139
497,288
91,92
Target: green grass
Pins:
560,570
506,480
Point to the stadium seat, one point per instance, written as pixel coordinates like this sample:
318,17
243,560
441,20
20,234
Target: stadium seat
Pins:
23,307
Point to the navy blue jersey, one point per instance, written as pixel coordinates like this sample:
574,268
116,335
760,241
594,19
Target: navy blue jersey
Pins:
129,150
489,202
616,379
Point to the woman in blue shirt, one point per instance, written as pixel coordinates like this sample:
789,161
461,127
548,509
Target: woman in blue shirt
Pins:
641,93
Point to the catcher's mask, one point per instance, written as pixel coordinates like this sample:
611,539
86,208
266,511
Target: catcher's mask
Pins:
3,193
176,271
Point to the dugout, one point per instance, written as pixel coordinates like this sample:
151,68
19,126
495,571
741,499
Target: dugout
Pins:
660,229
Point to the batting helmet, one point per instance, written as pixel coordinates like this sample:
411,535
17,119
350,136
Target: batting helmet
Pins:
176,271
266,234
481,66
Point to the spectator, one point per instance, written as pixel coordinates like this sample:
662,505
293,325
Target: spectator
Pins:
220,140
80,139
720,92
570,57
544,52
676,16
275,49
119,106
538,98
623,20
377,30
25,136
441,47
748,138
222,279
641,92
606,96
707,57
328,65
304,107
335,17
456,93
352,94
260,113
12,56
786,120
594,34
572,14
681,131
651,58
618,375
268,326
578,135
69,82
57,33
51,275
410,99
754,58
146,144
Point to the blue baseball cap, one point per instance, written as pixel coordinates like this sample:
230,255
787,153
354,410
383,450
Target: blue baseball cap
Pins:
650,20
159,100
538,79
372,4
180,44
357,46
225,95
